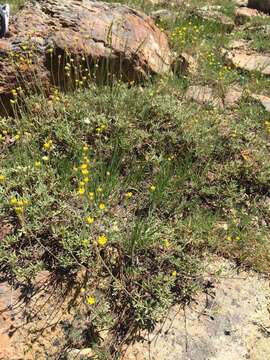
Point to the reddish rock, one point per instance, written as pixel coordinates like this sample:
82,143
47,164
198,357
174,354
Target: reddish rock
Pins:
263,100
244,14
233,96
92,39
10,347
203,95
248,60
216,17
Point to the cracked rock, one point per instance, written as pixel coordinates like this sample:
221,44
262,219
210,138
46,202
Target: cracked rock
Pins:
203,95
248,60
106,40
244,14
263,100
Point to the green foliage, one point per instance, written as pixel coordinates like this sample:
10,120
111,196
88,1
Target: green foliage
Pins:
134,183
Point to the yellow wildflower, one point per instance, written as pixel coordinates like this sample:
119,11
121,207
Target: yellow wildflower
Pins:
37,164
48,145
91,196
229,238
13,201
129,195
102,206
18,210
152,188
166,243
91,300
2,178
85,172
102,240
84,166
90,220
85,242
174,273
20,203
45,158
81,191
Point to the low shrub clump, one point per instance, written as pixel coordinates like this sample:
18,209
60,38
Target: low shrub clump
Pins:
133,185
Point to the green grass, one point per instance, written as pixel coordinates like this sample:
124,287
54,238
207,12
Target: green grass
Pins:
136,184
15,5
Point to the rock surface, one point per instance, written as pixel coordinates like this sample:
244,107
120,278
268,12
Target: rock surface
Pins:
238,44
244,14
248,60
262,5
50,35
203,95
232,322
33,320
217,17
241,2
10,346
263,100
164,15
233,96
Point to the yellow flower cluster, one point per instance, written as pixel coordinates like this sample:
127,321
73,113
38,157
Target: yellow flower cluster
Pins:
84,170
17,136
18,205
230,238
91,300
101,129
129,195
48,145
267,126
55,96
188,34
2,178
3,135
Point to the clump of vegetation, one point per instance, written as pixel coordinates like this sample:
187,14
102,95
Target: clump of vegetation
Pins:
134,185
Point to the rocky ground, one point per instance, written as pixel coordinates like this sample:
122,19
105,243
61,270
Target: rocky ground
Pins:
230,320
